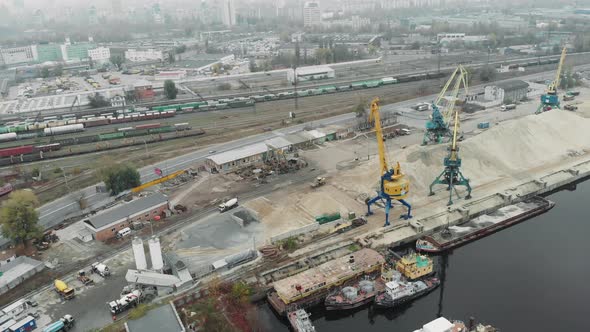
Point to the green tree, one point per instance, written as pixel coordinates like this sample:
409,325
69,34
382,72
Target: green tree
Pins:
119,177
487,73
359,109
45,72
170,89
117,60
240,292
97,100
58,70
19,218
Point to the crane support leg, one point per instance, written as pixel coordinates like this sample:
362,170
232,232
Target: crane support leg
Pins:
406,204
452,177
371,202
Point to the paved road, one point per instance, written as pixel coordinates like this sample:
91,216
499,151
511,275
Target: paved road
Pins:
55,212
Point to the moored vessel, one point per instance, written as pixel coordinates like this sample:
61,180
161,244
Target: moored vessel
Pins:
414,266
455,236
399,291
355,295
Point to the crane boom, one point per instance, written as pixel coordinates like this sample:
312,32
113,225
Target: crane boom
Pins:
552,89
374,116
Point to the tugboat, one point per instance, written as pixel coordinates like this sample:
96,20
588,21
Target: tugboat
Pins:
414,266
354,296
398,291
300,321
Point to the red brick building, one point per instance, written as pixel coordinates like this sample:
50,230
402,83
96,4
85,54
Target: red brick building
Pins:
106,224
144,90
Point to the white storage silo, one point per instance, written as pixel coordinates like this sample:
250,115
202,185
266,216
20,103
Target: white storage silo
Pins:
139,254
156,254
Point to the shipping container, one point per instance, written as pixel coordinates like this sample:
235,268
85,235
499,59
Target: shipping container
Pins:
17,151
24,325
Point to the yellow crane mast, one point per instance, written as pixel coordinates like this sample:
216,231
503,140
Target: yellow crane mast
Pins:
393,184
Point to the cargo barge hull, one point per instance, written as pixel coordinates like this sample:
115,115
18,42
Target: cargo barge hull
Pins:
483,226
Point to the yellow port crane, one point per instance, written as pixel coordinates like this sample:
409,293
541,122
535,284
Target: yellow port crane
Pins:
437,127
393,184
157,181
550,100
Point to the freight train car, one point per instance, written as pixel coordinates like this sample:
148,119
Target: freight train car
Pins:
63,129
16,151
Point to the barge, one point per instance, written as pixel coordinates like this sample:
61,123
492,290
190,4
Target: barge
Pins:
485,225
310,287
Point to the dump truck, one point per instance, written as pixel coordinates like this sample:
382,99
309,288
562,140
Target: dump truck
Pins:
84,279
100,269
232,203
63,290
318,182
63,324
126,302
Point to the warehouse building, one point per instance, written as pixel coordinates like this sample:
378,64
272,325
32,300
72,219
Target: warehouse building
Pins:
506,92
106,224
310,73
164,318
255,154
17,271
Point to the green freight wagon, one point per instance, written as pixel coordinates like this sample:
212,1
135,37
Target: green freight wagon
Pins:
326,218
165,129
109,136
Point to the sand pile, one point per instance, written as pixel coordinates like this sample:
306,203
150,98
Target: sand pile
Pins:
508,150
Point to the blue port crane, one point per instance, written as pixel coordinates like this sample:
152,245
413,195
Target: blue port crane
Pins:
437,128
393,185
451,176
550,100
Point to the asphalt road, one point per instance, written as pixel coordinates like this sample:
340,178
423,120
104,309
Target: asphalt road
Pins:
55,212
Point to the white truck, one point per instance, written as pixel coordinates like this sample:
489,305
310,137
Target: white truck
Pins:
125,302
422,107
508,107
101,269
232,203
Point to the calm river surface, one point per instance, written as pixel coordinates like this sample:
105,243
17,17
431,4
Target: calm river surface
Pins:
534,276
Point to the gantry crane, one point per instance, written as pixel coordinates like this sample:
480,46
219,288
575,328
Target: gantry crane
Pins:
438,126
393,184
550,100
451,176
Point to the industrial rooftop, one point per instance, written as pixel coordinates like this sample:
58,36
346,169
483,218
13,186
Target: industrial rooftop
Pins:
125,210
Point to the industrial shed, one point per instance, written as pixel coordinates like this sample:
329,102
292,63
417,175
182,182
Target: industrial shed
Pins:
164,318
17,271
507,92
106,224
310,73
232,160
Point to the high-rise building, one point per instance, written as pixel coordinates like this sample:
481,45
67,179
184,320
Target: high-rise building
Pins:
228,12
312,15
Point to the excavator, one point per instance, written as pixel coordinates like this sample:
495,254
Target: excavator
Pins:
437,127
393,184
550,100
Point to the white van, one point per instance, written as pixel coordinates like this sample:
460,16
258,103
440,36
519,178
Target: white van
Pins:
124,232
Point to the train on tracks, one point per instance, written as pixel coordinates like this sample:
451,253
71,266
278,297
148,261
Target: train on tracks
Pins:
50,126
128,132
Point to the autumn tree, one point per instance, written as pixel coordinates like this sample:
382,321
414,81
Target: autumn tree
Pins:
18,217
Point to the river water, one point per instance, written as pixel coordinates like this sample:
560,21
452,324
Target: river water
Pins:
534,276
